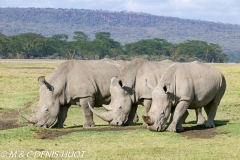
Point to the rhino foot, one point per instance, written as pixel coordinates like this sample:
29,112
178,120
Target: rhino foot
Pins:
180,129
57,126
88,125
200,120
171,128
128,123
209,124
136,119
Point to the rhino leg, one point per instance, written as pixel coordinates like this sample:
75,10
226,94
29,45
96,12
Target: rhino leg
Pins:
147,105
200,117
132,117
184,117
211,110
181,121
180,110
61,116
87,112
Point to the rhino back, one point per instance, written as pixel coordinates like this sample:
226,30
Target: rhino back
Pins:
136,68
152,74
79,78
208,83
136,72
197,81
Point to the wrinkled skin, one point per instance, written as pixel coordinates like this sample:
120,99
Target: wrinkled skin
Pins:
48,112
188,94
129,89
73,83
118,114
120,111
159,115
45,114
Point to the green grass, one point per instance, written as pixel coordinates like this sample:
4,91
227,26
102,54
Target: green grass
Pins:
18,85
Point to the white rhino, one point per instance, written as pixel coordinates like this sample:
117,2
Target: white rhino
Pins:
74,82
129,89
185,86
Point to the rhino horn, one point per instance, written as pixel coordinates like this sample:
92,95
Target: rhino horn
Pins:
147,119
30,118
107,107
104,116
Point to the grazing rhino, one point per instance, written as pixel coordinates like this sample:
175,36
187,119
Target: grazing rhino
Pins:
129,89
185,86
74,82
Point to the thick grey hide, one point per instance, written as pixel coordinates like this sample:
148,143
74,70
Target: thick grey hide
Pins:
74,82
185,86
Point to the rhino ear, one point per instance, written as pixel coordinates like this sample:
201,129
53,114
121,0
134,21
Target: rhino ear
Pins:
113,80
120,83
41,80
49,86
166,88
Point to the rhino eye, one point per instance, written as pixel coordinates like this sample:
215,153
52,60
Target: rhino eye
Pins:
46,110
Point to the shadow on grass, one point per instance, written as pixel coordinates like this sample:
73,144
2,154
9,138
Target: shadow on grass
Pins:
196,131
103,125
218,123
200,131
54,133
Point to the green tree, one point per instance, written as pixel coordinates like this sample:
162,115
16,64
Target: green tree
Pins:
173,50
4,41
215,53
150,47
201,50
103,45
69,50
80,36
60,37
28,44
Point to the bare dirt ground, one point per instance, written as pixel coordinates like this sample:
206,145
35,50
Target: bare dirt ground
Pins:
9,120
190,132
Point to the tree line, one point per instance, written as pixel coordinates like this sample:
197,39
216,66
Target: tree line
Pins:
59,46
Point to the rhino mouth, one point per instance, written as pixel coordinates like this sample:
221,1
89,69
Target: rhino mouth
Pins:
154,128
153,125
31,118
116,123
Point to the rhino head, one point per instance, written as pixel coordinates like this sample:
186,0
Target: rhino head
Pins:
45,114
120,105
160,109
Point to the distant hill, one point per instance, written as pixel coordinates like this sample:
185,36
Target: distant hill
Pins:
124,26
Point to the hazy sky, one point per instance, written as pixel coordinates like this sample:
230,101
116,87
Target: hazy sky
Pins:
225,11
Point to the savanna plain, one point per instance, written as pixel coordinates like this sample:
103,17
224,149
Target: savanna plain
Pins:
19,140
